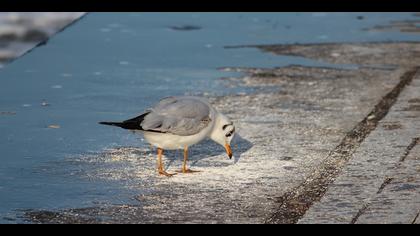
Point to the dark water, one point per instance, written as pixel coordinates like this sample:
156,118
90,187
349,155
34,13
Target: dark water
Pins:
113,66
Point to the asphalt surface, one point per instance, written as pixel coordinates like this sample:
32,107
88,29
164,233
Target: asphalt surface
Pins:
300,116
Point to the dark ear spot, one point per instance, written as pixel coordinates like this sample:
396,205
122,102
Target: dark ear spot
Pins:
231,132
224,127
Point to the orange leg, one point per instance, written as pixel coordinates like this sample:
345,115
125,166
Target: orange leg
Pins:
184,164
161,171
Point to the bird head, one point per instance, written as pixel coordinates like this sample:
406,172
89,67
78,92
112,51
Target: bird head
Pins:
223,132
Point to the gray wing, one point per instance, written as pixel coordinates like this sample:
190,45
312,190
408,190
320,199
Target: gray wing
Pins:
178,115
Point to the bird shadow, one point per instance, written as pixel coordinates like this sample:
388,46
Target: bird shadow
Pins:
208,148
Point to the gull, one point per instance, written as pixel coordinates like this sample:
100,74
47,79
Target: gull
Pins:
178,122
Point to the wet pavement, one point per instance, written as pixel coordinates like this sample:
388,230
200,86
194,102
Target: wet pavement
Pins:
299,111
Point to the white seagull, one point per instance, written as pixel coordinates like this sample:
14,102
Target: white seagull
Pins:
179,122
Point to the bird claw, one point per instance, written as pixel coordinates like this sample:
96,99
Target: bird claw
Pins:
162,172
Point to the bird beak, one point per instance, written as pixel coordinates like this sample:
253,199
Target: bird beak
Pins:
228,150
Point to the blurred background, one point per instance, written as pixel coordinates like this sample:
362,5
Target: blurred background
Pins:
21,31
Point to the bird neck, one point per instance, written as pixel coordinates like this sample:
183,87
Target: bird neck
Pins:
215,133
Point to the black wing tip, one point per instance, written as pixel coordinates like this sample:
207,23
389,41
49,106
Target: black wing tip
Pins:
109,123
131,124
124,125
